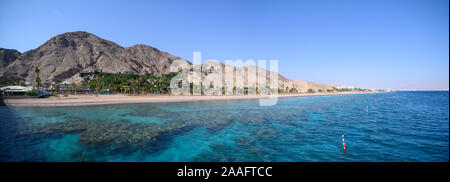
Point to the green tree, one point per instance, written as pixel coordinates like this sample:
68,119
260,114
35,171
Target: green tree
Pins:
293,90
6,81
37,80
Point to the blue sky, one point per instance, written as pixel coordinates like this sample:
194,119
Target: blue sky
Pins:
390,44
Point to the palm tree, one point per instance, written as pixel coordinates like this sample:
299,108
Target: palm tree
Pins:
37,80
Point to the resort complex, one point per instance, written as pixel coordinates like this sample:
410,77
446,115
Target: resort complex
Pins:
251,89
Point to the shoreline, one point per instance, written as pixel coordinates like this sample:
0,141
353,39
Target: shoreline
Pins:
90,100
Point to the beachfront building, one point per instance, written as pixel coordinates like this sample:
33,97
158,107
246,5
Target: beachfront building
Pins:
65,83
67,88
346,87
15,90
87,74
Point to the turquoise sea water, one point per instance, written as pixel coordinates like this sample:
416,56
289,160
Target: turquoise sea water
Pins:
398,126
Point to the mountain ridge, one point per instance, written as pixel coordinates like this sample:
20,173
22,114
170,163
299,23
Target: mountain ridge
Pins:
7,56
63,56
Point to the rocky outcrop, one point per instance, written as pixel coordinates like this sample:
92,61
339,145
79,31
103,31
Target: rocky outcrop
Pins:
303,86
64,56
7,56
153,61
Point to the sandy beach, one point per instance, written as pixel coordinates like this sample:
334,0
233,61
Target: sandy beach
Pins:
89,100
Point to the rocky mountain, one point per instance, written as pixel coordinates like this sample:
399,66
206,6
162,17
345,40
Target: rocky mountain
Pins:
65,55
153,61
7,56
303,86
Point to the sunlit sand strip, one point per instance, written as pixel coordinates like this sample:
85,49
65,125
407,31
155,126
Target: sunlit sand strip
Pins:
89,100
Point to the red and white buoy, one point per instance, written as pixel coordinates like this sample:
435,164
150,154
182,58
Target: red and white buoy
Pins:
343,142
